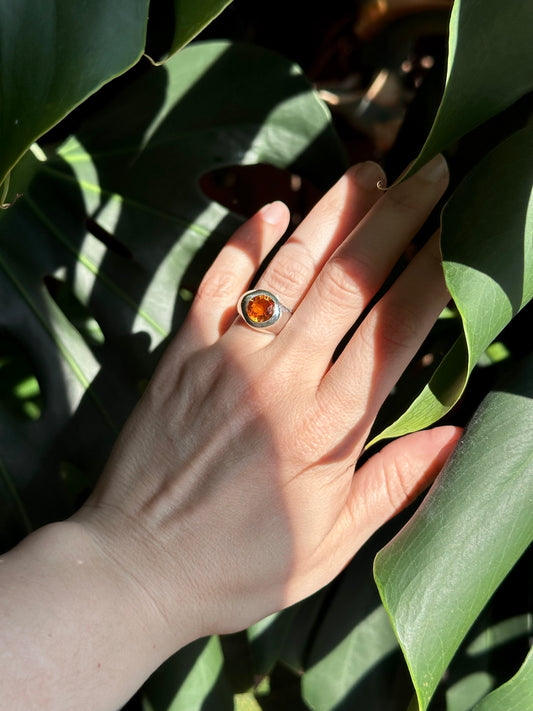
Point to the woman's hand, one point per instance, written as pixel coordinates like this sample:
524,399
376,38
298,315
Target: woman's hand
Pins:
231,492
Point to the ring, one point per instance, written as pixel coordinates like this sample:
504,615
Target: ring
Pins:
261,309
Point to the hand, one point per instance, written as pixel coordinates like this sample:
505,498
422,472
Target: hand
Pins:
231,492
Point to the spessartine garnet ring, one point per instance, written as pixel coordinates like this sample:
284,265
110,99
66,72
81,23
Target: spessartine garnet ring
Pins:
260,309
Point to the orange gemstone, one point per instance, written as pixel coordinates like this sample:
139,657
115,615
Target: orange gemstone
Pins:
260,308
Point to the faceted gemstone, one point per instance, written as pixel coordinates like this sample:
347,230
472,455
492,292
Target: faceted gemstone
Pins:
260,308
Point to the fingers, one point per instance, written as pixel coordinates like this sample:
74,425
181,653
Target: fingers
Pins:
386,341
297,263
213,308
357,270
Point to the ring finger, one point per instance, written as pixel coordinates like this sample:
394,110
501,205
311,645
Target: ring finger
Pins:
299,260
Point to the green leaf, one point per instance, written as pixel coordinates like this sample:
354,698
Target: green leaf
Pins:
515,695
53,55
117,216
191,680
487,247
285,636
469,689
183,20
437,575
490,66
246,702
354,660
330,680
267,637
489,654
501,634
297,642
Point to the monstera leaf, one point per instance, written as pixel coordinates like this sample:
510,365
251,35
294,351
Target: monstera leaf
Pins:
54,54
174,23
514,695
438,573
192,680
353,658
487,227
489,67
111,233
487,249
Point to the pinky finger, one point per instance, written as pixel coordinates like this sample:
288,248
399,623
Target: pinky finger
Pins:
214,307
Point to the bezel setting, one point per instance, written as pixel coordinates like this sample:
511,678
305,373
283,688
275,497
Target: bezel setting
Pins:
275,323
243,308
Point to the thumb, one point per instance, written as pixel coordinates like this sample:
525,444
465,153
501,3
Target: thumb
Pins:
383,486
393,478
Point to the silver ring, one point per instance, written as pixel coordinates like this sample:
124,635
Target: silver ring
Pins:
260,309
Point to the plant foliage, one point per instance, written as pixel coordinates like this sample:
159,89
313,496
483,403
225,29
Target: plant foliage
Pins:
98,261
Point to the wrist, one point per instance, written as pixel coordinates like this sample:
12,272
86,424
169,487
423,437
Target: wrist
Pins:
72,616
149,578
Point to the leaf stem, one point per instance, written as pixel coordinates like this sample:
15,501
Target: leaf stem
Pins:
5,188
10,486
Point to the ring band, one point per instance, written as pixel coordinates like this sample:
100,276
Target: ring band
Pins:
261,309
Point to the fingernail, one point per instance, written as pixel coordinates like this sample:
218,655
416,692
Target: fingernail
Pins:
435,170
369,174
273,212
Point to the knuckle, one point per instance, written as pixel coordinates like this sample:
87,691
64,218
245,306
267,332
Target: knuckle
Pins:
290,272
217,287
313,441
345,281
398,329
397,480
332,208
406,198
398,336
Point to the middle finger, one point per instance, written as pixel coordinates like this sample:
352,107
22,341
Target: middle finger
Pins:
359,267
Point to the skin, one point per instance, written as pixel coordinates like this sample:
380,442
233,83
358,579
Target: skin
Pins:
231,491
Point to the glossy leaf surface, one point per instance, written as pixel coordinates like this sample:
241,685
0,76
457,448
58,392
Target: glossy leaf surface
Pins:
354,660
190,681
53,55
436,576
487,248
178,22
515,695
487,70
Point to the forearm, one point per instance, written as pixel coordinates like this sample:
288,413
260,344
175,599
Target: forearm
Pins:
75,631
